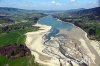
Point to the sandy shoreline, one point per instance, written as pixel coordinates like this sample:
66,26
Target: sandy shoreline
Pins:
35,44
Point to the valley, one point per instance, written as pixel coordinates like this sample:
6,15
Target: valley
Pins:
49,38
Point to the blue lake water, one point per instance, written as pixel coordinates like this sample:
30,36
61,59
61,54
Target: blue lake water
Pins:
55,24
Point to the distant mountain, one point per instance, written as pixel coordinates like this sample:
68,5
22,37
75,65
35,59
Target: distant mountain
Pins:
74,10
13,11
70,12
82,11
50,11
95,11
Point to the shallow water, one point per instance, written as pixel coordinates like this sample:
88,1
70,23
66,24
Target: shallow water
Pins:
55,24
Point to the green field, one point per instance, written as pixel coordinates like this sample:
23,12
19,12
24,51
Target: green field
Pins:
22,61
13,37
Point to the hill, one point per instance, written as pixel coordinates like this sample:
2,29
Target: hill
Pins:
92,14
14,11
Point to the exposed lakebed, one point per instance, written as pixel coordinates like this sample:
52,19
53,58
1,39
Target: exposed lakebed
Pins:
60,44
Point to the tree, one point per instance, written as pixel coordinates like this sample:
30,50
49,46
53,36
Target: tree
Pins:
92,31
